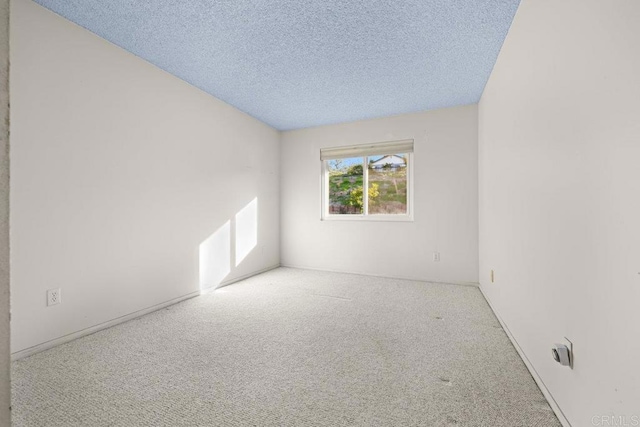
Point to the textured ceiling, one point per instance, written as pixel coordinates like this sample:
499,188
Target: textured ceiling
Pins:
301,63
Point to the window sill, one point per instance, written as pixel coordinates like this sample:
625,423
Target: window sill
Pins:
375,218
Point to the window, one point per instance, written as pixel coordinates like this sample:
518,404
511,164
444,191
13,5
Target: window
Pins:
384,169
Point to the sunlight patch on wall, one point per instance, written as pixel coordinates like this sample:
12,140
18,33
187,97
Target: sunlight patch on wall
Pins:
216,251
246,230
215,258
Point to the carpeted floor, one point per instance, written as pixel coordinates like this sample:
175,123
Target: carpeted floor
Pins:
291,348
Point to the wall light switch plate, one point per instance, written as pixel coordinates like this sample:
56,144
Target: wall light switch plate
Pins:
436,256
54,296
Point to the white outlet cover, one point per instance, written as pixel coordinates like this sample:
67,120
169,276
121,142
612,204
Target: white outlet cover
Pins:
54,296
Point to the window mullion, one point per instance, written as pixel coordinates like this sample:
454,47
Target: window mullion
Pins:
365,186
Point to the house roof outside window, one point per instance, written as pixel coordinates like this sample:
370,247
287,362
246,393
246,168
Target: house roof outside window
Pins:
391,160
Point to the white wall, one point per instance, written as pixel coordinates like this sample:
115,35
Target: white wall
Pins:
560,198
119,172
446,197
5,390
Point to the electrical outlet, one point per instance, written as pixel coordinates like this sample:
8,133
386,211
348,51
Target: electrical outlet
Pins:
436,256
54,296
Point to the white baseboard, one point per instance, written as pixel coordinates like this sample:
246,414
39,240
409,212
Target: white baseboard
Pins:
96,328
238,279
93,329
545,391
413,279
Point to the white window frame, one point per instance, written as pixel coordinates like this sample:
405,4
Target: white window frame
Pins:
325,216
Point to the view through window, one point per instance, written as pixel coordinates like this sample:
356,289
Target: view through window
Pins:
385,176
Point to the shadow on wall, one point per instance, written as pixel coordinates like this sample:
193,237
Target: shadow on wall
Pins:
216,250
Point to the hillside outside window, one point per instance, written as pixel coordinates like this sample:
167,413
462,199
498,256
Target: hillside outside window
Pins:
383,169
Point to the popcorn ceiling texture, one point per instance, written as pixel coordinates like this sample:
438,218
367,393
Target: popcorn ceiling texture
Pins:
302,63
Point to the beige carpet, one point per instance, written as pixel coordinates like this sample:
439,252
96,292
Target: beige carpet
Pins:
291,348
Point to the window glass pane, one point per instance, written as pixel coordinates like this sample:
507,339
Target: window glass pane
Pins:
345,186
388,184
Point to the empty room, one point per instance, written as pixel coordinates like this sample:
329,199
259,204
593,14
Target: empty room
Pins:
320,213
